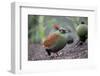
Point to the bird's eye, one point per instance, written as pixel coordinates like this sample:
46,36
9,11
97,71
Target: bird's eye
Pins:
62,31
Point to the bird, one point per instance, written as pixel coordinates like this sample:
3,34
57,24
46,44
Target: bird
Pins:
82,32
57,40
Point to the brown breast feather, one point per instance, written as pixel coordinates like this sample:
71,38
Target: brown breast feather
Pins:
50,40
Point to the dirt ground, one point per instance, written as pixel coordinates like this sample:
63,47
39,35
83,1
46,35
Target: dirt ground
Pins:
37,52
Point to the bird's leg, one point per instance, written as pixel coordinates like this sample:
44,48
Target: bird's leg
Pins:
75,45
57,54
61,53
79,43
48,52
85,42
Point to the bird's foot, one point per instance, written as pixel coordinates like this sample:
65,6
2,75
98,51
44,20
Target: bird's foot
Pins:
52,56
56,54
61,53
79,44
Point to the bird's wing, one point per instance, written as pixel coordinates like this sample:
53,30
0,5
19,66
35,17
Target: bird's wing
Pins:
50,40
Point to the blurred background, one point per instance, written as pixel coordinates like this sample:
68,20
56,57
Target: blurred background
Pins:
40,26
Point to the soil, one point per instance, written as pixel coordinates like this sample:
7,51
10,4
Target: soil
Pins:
72,51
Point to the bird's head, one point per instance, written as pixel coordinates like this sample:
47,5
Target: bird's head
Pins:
61,29
56,26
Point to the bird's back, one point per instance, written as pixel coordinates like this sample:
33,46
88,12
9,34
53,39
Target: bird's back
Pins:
82,32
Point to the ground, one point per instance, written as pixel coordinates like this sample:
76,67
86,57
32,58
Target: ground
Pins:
37,52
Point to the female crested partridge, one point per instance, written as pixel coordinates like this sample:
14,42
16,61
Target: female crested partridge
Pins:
57,40
82,32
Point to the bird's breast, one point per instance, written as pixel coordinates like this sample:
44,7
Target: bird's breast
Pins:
50,40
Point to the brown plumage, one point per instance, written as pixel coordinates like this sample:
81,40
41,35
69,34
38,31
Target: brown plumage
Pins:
57,40
50,40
